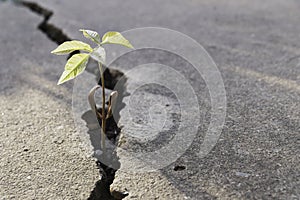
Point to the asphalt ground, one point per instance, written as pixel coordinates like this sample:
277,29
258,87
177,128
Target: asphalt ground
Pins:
256,48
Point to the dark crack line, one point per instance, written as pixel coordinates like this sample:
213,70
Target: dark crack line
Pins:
55,34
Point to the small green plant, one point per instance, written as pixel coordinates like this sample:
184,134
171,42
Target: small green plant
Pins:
78,62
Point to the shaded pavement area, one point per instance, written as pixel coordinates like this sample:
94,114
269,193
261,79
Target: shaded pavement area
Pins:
256,48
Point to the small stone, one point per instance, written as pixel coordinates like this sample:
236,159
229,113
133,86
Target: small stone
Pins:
242,174
60,127
119,195
58,141
98,152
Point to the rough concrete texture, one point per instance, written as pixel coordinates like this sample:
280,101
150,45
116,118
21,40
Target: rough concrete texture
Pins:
256,47
41,156
152,185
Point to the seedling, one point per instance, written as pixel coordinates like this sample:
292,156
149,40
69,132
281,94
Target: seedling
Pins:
78,62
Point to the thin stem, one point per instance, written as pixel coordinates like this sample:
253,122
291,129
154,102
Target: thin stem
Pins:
103,108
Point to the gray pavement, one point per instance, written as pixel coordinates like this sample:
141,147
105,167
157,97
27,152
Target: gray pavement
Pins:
41,154
256,48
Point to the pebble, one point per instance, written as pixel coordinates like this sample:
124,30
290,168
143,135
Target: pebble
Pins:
58,141
242,174
60,127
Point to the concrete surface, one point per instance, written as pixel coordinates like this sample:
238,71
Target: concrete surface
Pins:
256,47
41,157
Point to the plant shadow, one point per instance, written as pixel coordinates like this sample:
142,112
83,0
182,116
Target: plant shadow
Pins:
107,161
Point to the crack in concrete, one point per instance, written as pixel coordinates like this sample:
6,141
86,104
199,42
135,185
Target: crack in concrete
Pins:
55,34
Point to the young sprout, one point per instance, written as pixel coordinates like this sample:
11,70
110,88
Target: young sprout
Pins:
78,62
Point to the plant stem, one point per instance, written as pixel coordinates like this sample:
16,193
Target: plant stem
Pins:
103,124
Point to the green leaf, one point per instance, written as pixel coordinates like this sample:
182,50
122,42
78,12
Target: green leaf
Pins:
75,66
99,54
115,38
70,46
92,35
